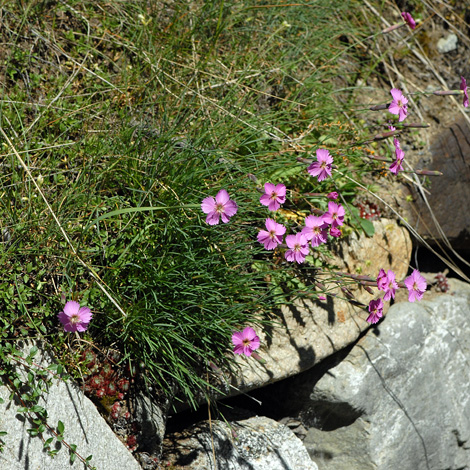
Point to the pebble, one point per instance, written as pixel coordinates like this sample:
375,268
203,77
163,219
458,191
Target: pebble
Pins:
447,44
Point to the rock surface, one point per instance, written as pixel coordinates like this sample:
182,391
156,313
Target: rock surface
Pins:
400,398
450,154
253,444
311,331
84,427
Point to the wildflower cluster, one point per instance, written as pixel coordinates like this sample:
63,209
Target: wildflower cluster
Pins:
415,283
295,246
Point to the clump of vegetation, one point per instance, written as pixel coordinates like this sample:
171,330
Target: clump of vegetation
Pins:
118,119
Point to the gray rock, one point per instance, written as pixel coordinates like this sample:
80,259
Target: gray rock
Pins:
254,444
447,44
152,418
84,427
400,399
450,152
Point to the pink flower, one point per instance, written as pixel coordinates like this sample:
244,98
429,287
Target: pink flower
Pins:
222,206
245,342
315,230
375,309
332,195
322,167
298,245
396,143
409,19
274,196
335,232
416,285
396,166
463,87
272,236
74,317
387,283
335,214
399,104
381,280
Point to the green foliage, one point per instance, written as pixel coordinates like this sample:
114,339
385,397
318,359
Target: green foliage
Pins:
141,114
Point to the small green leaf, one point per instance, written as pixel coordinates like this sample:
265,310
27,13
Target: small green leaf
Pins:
60,427
48,443
368,227
38,409
73,455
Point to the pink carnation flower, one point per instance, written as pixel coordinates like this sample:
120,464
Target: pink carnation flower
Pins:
416,285
375,309
74,317
298,245
399,104
381,280
222,206
245,342
408,19
463,87
335,232
332,195
322,167
273,196
335,214
272,236
315,230
387,283
396,166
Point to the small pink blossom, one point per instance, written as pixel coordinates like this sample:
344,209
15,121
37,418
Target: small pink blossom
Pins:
245,342
335,232
408,19
387,283
221,206
298,245
416,285
463,87
333,195
322,167
273,196
74,317
315,230
381,280
321,297
375,309
399,104
272,236
335,214
396,166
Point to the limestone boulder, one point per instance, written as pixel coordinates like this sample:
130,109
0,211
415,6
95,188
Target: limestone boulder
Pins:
256,443
84,427
400,398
